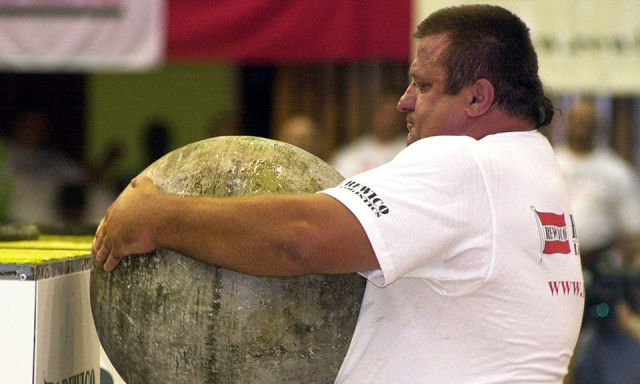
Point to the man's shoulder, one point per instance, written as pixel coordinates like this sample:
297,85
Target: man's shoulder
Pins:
445,141
447,146
439,152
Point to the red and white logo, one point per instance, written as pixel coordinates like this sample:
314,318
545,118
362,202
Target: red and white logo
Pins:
554,234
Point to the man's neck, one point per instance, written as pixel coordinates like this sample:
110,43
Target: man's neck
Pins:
496,121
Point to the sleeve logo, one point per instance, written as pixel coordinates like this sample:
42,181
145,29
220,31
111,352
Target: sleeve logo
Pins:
368,196
554,234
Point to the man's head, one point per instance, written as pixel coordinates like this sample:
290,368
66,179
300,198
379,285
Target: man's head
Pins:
581,127
484,45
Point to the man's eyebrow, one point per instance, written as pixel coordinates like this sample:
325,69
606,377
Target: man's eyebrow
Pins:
416,77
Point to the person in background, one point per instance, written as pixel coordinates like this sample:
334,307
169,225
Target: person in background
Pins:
157,141
605,195
465,237
381,144
604,192
303,132
46,187
37,171
609,349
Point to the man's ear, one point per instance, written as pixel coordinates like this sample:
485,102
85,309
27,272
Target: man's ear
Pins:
481,95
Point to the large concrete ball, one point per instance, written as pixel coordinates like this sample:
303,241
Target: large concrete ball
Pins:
166,318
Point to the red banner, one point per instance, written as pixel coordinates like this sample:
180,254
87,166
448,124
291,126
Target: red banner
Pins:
289,31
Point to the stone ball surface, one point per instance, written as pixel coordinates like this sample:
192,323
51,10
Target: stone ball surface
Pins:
163,317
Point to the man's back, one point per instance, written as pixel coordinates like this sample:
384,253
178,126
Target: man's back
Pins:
499,296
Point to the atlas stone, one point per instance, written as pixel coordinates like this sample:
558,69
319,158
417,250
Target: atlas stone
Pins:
166,318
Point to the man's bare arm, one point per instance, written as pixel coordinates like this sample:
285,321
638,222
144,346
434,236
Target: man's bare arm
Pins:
271,235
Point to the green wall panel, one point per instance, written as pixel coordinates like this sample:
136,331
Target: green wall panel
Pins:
188,97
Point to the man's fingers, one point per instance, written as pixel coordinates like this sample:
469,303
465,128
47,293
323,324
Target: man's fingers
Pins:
112,261
113,241
103,251
95,246
97,239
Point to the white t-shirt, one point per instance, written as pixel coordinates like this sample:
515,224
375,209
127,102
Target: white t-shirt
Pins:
605,196
480,278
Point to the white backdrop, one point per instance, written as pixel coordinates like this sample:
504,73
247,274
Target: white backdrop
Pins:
71,35
582,45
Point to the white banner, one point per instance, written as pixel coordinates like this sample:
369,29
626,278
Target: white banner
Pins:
582,45
81,35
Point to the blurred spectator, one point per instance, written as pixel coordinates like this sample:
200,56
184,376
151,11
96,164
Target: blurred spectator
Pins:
40,175
604,192
610,346
157,142
71,202
37,171
386,138
605,196
303,132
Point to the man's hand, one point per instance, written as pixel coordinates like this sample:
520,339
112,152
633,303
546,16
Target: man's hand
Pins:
129,225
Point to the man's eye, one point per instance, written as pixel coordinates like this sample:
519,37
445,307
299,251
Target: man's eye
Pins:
422,87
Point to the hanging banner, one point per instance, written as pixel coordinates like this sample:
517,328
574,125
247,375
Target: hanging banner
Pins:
582,45
81,35
283,32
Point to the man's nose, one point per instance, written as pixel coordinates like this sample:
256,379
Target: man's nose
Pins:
407,101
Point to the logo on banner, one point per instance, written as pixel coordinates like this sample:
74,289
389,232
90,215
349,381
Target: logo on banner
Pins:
554,233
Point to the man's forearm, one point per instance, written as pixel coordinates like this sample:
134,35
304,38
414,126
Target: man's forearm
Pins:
273,235
263,236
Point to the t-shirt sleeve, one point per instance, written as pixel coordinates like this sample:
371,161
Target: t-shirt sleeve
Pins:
426,215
